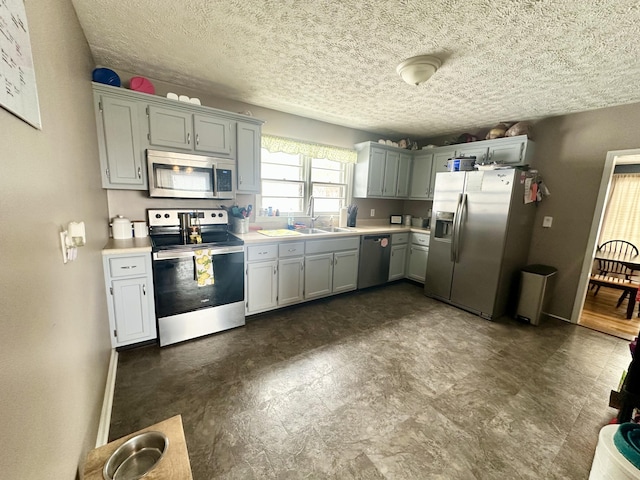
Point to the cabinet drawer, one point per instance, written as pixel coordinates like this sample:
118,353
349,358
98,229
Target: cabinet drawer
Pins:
126,266
332,245
398,238
420,238
291,249
262,252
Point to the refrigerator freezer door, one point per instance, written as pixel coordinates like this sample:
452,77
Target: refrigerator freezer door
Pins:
448,187
483,227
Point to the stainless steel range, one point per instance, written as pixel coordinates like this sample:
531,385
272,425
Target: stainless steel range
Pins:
199,287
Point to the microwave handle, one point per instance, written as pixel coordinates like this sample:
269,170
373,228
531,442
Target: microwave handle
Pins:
215,180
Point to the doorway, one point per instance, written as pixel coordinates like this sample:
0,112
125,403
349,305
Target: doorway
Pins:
599,313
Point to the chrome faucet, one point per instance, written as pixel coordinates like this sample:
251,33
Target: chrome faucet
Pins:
310,210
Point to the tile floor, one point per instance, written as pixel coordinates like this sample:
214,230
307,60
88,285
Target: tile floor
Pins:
379,384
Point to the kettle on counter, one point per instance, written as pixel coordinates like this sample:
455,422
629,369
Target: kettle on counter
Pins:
121,228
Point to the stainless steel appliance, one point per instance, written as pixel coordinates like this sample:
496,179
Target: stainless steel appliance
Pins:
181,175
375,253
184,309
480,240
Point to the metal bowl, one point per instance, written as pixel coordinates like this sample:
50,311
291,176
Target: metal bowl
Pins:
136,457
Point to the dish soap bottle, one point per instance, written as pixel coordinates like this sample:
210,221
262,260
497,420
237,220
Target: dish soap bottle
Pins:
290,225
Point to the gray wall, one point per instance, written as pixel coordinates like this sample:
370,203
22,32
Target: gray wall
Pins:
54,347
570,155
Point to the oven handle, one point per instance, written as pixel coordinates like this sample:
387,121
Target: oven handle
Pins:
169,255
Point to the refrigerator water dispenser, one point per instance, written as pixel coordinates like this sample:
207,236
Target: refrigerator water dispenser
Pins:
444,225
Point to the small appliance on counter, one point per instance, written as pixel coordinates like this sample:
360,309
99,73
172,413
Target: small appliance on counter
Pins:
407,220
395,220
417,222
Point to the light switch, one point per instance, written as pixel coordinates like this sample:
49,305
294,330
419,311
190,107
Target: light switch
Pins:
547,221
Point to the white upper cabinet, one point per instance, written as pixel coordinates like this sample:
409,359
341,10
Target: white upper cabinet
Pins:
381,172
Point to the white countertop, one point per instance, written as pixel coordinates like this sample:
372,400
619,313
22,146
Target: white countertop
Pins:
254,237
130,245
141,245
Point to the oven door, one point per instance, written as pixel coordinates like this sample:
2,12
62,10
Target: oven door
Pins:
176,287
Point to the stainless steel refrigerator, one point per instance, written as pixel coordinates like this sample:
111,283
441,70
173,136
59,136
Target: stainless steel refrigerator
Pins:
481,231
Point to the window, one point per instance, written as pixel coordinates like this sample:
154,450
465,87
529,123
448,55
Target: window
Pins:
288,180
622,215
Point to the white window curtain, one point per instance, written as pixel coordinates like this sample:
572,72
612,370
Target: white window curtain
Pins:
275,144
622,215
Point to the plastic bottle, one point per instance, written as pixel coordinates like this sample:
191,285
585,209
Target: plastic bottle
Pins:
290,221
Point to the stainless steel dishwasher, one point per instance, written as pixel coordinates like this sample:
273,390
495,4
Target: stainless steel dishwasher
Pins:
375,253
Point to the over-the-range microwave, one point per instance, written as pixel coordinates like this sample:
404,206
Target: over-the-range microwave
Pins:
182,175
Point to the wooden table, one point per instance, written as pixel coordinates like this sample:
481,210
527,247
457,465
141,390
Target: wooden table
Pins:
632,262
173,466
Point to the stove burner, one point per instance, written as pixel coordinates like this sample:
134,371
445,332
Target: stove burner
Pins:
165,232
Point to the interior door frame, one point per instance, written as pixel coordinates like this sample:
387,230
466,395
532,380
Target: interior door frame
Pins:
614,157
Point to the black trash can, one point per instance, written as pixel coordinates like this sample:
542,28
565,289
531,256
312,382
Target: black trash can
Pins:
535,285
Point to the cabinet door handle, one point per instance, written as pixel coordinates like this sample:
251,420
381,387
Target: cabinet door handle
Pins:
144,289
139,172
335,261
197,139
275,269
188,139
301,266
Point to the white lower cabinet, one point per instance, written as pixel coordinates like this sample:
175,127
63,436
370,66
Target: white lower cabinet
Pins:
262,286
345,271
318,275
130,302
418,254
275,276
261,278
331,266
290,280
398,260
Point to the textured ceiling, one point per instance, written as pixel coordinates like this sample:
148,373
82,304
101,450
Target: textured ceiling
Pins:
335,60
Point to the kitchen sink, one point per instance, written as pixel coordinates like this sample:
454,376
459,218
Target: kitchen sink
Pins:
337,229
310,231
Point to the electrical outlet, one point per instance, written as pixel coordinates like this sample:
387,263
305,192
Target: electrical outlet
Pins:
547,221
373,212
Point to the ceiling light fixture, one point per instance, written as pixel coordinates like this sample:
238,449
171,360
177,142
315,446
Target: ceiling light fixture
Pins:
417,70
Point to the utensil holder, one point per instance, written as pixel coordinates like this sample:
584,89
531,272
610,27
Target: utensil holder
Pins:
240,225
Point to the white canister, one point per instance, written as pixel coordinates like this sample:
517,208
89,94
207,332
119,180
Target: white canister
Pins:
140,229
121,228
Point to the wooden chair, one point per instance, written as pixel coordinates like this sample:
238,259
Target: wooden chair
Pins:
613,274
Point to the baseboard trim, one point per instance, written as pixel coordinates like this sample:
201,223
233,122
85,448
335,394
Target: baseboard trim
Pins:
558,317
107,403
